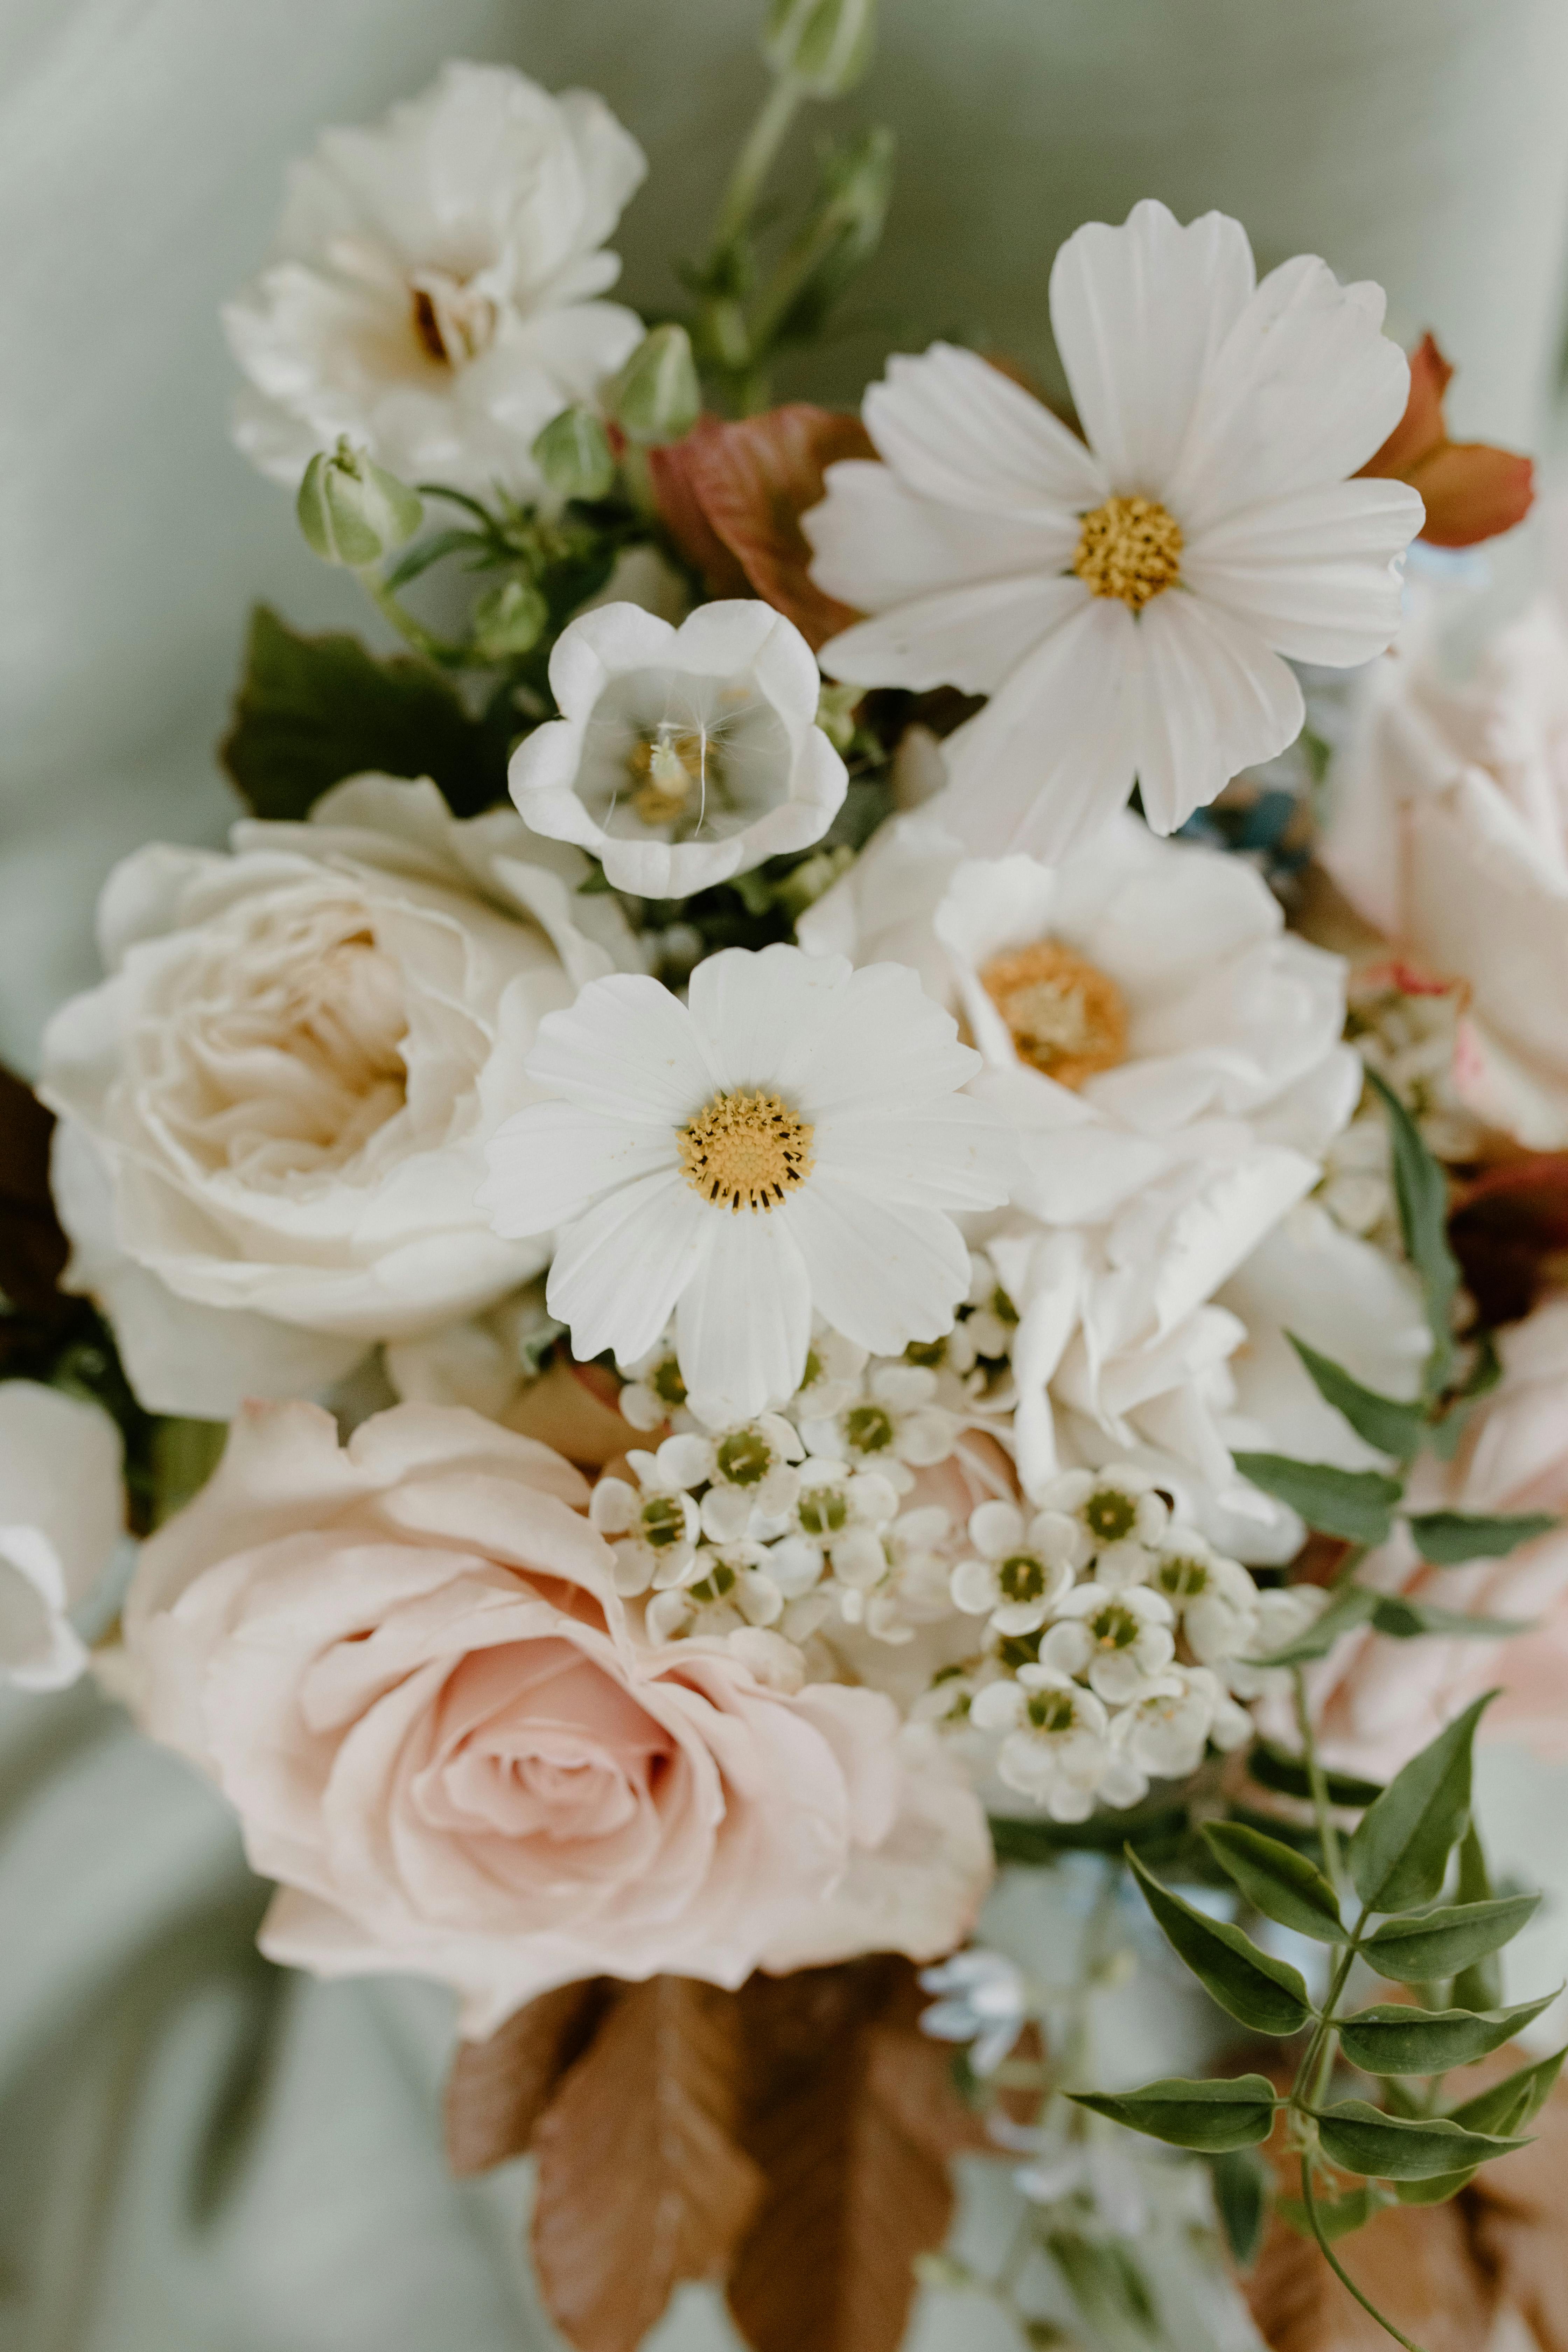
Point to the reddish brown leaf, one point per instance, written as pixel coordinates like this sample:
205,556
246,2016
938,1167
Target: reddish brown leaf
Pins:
841,2117
1415,2262
641,2183
1518,2210
498,2089
33,1250
731,497
1472,491
1510,1231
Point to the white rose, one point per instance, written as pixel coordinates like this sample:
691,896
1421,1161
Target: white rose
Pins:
274,1110
1450,832
431,289
62,1511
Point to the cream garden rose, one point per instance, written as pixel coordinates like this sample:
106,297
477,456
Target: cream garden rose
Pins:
406,1664
275,1109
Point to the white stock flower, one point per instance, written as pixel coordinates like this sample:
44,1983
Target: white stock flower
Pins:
432,288
1118,1636
792,1139
1125,604
274,1110
1020,1567
62,1511
682,756
895,1424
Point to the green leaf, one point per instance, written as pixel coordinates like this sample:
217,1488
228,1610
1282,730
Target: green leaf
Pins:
1513,2104
1436,2192
1442,1943
1210,2116
1337,2217
1445,1432
1356,1504
1105,2283
1479,1987
1242,2196
1285,1886
1421,1189
1449,1539
1406,1620
1275,1767
1398,1856
1258,1990
1352,1605
311,710
1393,1428
433,550
1362,2138
1392,2039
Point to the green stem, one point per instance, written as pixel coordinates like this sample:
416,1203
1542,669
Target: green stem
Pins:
1338,2268
756,160
1328,1835
443,651
1348,1567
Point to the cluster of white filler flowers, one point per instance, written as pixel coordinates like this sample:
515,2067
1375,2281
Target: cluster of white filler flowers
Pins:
1100,1643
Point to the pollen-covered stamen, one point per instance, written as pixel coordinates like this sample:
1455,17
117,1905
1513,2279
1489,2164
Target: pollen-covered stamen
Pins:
668,767
745,1151
1181,1579
1130,549
1064,1014
1115,1628
452,322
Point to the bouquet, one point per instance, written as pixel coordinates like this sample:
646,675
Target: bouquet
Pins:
856,1184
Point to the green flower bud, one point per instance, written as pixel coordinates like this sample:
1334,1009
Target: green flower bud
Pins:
826,44
574,456
353,511
510,620
656,397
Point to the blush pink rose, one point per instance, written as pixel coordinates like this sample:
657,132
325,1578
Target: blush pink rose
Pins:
1376,1701
405,1661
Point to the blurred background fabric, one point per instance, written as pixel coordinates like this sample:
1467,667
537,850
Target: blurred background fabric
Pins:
195,2150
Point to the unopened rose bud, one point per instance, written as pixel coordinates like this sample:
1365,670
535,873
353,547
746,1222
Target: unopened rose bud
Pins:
574,456
656,397
826,44
508,621
353,511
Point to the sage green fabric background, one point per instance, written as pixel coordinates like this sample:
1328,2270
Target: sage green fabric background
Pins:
196,2154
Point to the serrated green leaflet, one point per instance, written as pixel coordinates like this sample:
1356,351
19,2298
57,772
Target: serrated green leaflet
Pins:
1392,1427
1284,1885
1274,1768
1513,2104
1449,1539
1361,2138
1356,1504
1252,1986
1336,2218
1241,2196
1404,1620
1392,2039
1442,1943
1399,1854
1421,1190
1209,2116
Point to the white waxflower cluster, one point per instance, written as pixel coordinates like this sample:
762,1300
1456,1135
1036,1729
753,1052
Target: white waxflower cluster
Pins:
1120,1641
1407,1034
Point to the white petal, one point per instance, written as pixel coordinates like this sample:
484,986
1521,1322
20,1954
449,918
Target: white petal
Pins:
960,1158
744,1323
1213,700
968,637
956,429
1315,574
548,1163
628,1047
1139,313
619,1270
883,1273
880,543
996,1528
760,1015
890,1051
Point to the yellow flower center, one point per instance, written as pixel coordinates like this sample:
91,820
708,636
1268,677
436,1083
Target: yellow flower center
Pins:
1129,548
666,767
745,1151
1066,1017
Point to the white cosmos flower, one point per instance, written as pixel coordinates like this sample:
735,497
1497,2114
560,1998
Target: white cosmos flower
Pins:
1125,604
792,1137
62,1511
681,756
432,288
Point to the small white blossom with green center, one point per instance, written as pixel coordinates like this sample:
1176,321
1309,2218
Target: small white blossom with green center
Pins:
982,2000
893,1581
751,1473
1019,1568
1284,1613
653,1526
1214,1599
1164,1734
655,1394
1117,1505
834,1366
894,1426
832,1504
729,1588
1056,1747
1117,1638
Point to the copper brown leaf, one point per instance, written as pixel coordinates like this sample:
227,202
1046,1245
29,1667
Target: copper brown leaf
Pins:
1416,2262
1517,2212
1472,491
497,2090
641,2181
839,2116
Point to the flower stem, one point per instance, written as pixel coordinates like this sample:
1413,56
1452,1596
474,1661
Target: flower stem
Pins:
1328,1835
756,160
1338,2268
443,651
